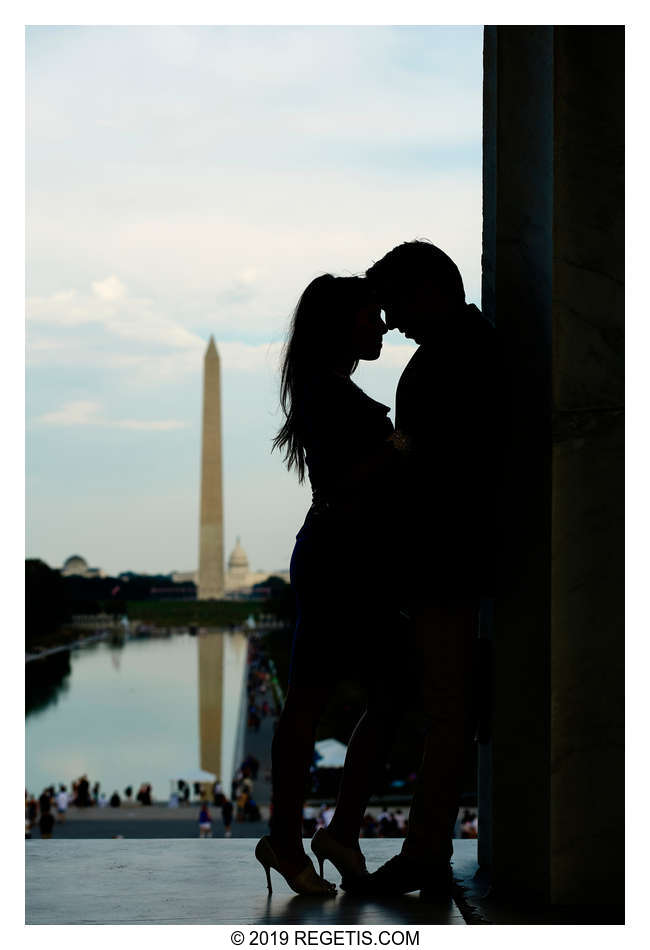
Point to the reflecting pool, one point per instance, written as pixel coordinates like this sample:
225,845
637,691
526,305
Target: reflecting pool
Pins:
147,710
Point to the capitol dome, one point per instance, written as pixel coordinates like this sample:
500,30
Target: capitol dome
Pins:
238,573
238,558
75,565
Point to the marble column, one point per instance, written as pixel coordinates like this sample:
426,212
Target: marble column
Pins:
553,284
517,281
587,645
211,555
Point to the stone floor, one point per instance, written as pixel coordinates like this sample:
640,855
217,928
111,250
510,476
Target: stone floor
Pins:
211,881
217,881
480,904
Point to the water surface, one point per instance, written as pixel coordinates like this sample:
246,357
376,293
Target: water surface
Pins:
124,715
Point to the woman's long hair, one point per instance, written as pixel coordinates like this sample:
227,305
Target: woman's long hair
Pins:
316,342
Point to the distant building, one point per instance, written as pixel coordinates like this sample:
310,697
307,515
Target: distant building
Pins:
184,577
76,566
258,577
239,577
238,569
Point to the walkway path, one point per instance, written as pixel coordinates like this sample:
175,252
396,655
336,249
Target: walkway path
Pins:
76,645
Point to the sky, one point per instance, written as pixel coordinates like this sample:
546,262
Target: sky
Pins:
188,181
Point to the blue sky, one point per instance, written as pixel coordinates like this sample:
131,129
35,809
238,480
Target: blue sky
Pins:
183,181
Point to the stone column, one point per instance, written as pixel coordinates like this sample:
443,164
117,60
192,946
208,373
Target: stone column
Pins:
553,277
517,275
587,645
211,559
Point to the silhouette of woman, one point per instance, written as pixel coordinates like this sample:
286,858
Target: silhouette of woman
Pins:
345,607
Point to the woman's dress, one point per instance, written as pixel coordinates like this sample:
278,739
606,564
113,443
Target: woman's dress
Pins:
346,595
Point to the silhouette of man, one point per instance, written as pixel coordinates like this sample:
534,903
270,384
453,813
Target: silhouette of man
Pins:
445,412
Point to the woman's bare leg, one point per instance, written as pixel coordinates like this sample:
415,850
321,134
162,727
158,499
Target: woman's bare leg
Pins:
375,730
361,761
292,752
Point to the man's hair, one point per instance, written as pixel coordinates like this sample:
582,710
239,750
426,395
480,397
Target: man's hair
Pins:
414,261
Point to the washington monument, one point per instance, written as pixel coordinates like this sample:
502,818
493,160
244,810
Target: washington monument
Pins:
211,577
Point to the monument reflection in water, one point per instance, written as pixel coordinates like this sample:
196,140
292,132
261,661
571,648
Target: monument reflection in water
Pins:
148,710
222,703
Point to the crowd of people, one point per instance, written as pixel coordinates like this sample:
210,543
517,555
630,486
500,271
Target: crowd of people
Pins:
241,802
387,824
261,703
206,820
261,699
52,804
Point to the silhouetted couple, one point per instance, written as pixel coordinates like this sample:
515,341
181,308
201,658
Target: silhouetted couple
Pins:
400,521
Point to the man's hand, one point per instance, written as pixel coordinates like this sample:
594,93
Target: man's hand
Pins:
400,441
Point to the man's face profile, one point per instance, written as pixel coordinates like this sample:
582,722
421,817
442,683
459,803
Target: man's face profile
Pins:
411,309
415,308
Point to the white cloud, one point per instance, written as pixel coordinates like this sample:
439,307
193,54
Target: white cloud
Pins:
149,370
249,358
319,85
64,309
109,304
146,425
109,289
247,276
78,413
87,413
241,247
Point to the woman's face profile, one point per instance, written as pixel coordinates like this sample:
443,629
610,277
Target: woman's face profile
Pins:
366,332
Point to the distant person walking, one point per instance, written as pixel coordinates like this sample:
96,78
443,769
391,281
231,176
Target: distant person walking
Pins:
226,816
45,801
144,794
32,811
62,803
46,824
469,825
83,793
243,796
205,821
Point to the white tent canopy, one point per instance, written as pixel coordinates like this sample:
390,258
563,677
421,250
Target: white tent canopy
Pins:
330,754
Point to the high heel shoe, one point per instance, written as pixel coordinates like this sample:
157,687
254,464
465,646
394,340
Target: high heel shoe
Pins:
349,862
305,881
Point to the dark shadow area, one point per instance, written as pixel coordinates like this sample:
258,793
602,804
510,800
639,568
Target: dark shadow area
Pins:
348,909
46,679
